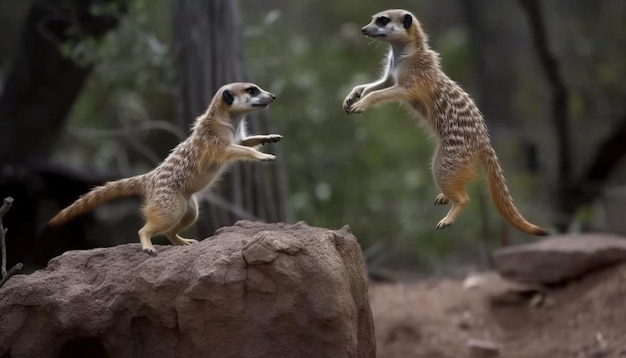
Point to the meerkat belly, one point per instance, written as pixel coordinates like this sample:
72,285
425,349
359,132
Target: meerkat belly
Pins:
202,178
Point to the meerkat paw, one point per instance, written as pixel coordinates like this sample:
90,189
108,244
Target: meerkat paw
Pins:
441,200
265,157
150,250
272,138
181,241
358,107
444,223
188,241
347,103
352,97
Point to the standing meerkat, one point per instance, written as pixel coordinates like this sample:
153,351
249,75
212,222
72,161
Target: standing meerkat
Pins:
217,139
413,76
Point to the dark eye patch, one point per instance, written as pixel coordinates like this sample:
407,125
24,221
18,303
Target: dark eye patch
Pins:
252,91
382,21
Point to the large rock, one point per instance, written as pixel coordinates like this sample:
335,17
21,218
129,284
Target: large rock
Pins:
559,258
252,290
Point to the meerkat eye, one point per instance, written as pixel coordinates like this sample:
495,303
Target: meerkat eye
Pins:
382,21
252,91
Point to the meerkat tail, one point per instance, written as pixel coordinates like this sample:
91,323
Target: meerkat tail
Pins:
502,198
98,195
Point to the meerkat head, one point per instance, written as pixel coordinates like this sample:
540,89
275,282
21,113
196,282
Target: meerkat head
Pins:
242,97
393,26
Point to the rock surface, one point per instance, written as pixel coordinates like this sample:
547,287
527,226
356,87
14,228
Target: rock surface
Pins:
252,290
560,258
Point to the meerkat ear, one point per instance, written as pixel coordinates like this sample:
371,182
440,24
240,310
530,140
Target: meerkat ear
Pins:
228,97
408,19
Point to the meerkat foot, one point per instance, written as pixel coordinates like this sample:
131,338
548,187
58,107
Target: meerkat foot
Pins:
444,223
184,241
181,241
441,200
149,250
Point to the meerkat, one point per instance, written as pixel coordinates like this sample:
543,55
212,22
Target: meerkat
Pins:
218,137
413,77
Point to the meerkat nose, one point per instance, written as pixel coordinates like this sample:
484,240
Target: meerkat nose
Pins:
363,29
273,96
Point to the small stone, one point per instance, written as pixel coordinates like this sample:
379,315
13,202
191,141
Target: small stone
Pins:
474,281
559,259
549,301
483,349
599,353
537,300
463,325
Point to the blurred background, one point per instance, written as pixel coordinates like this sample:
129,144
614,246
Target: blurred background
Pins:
95,90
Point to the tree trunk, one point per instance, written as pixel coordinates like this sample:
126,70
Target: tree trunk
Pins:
43,84
492,65
37,97
572,191
209,45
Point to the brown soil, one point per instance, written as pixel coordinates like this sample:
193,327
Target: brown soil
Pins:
435,319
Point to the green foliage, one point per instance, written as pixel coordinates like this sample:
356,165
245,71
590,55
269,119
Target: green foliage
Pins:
134,81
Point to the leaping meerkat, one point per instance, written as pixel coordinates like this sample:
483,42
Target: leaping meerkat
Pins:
413,76
218,138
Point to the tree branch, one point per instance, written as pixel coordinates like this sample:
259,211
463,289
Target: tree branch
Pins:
44,83
607,157
8,201
560,98
18,266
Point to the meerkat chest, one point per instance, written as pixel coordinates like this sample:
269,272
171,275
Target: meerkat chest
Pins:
391,69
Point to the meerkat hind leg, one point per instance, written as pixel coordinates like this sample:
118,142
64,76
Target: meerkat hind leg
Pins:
161,216
188,218
452,185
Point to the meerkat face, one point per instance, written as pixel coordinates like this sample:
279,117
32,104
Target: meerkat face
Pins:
389,25
246,97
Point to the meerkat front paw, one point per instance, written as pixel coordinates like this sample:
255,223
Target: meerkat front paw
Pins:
352,97
265,157
358,107
272,138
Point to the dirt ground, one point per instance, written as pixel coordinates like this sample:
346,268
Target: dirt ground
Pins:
435,319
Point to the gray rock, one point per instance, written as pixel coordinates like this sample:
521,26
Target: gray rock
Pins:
559,258
252,290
